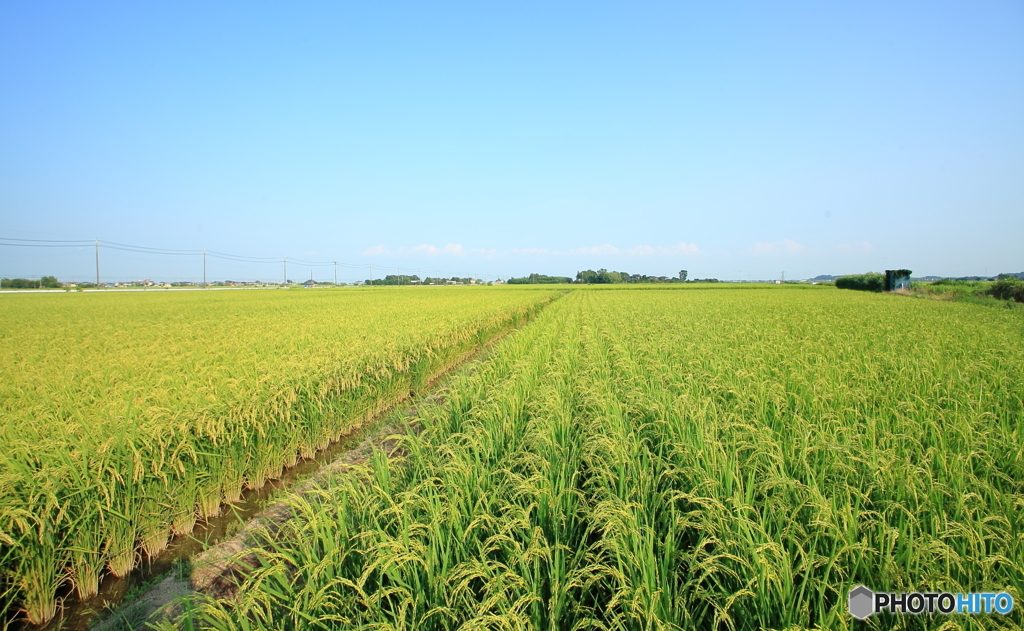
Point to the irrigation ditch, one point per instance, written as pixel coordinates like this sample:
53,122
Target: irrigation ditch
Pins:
215,553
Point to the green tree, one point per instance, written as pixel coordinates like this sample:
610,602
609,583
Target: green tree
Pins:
601,277
539,279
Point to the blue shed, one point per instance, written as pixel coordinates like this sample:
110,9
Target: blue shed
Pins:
896,279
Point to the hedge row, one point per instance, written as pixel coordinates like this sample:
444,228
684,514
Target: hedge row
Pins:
1008,289
872,281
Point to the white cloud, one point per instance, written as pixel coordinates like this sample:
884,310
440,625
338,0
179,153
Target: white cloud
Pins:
597,249
605,249
792,247
451,248
861,247
681,248
776,248
534,251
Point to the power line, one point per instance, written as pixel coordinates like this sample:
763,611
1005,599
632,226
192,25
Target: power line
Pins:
80,241
37,243
121,248
254,259
144,249
98,244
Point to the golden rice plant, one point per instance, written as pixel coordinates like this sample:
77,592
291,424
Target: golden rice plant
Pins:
132,416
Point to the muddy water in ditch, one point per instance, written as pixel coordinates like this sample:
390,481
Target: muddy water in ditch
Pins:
78,615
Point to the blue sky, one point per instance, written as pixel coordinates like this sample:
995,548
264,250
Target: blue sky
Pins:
735,140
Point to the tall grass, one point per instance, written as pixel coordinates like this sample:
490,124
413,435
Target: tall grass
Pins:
128,417
676,460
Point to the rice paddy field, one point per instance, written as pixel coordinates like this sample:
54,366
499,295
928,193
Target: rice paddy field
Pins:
128,417
631,458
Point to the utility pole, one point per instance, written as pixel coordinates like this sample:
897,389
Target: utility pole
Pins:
335,273
205,284
285,271
97,263
371,274
399,276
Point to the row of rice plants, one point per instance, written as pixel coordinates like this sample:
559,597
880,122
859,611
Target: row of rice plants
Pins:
679,459
127,417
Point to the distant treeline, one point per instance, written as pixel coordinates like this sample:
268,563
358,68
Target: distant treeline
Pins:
539,279
413,279
49,282
1019,275
603,276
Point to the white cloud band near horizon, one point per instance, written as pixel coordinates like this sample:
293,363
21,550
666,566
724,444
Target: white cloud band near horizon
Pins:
455,249
786,246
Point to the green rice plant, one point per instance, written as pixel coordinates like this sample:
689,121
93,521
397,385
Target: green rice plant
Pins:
154,527
183,513
86,562
38,577
122,530
678,458
210,497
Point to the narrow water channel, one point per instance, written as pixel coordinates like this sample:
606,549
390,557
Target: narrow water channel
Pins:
79,615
